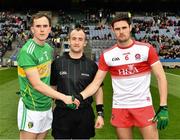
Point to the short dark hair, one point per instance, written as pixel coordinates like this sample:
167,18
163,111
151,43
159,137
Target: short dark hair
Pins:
77,29
122,16
40,15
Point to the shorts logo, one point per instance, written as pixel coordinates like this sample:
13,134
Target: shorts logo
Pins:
149,120
30,124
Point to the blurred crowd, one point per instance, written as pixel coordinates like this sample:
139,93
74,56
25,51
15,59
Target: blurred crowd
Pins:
162,30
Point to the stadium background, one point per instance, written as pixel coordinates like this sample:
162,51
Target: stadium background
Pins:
8,74
138,5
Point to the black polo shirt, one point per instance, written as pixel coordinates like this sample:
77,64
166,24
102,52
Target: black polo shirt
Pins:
71,76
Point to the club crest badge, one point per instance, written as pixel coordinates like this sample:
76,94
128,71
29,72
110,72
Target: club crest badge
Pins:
30,124
137,56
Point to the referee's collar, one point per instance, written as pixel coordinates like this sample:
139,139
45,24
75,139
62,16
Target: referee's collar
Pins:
68,56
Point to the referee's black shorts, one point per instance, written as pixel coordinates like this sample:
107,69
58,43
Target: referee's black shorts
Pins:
73,124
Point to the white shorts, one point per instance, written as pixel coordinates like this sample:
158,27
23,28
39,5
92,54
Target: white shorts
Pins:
33,121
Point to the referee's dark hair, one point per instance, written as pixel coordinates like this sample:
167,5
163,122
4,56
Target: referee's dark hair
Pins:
122,16
77,28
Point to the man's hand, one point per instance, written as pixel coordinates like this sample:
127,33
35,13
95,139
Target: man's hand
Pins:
72,106
71,102
99,122
161,117
100,116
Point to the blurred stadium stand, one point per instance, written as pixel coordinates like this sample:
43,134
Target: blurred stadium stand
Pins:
160,26
138,5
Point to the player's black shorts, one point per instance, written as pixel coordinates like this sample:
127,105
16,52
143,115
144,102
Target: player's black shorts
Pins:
73,124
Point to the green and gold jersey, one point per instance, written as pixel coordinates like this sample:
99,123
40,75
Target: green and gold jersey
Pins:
33,56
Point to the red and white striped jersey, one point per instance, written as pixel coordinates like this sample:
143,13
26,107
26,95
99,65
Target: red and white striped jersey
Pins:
130,70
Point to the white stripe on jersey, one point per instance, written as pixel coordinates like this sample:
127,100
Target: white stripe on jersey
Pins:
118,56
155,63
131,92
30,48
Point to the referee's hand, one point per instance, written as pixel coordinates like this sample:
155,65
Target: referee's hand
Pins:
99,122
71,100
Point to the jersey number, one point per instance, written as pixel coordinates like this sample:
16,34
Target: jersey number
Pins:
126,57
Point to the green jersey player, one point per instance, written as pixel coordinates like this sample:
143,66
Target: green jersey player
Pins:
34,61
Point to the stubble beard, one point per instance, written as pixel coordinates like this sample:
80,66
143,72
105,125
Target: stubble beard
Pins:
76,51
123,41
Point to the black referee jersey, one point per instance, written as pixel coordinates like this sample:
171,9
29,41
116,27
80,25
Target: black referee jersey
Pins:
71,76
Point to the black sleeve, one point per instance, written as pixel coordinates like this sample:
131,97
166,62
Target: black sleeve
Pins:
53,77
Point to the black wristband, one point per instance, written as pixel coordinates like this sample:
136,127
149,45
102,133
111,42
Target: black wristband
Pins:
165,107
79,97
100,108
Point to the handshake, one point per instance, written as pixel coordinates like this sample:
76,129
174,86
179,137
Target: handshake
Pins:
73,105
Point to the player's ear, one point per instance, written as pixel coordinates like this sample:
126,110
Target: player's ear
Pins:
32,30
130,26
85,43
112,28
49,30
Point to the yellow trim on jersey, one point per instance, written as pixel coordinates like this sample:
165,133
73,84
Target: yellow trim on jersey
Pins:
43,69
21,72
28,90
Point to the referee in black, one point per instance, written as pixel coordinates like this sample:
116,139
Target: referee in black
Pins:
71,74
